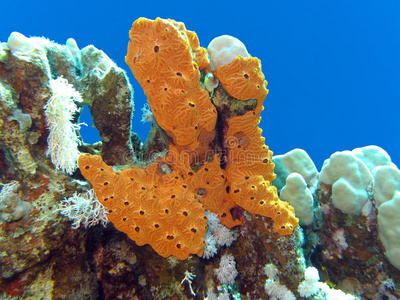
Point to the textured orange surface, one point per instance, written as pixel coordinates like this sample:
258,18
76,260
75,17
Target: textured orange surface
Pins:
250,168
164,205
250,172
244,80
165,58
149,206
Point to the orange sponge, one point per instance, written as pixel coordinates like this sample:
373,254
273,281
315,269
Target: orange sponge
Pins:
164,205
243,80
150,206
166,60
250,172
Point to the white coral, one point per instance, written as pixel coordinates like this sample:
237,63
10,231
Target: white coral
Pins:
210,248
222,234
224,49
227,272
84,209
308,287
271,271
62,140
311,286
272,286
277,291
217,234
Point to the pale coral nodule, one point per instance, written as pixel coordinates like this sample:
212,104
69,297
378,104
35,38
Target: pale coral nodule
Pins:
164,205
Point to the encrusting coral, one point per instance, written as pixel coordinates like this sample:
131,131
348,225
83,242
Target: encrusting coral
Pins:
210,165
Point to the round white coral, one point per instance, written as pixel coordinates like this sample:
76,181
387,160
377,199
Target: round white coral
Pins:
224,49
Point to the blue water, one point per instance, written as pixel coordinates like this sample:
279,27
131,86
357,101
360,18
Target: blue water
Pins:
333,67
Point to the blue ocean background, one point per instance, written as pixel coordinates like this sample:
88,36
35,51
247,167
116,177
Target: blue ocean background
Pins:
333,67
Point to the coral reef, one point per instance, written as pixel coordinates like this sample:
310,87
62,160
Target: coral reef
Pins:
194,212
37,246
346,241
106,89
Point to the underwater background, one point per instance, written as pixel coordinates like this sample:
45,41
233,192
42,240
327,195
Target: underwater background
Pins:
202,209
333,67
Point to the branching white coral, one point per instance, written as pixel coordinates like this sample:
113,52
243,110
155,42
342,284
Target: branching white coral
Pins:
217,234
210,248
227,272
278,291
308,287
62,141
271,271
189,278
272,286
224,236
84,209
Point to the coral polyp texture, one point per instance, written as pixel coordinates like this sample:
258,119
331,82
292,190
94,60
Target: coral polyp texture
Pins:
209,166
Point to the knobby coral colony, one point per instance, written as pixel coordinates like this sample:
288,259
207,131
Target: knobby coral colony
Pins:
216,160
